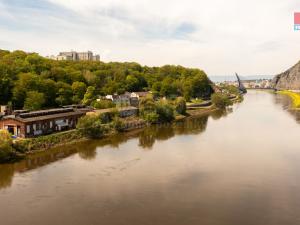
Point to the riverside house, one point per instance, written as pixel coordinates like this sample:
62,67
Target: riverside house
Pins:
123,99
35,123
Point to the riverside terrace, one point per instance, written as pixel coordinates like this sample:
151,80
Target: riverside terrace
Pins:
41,122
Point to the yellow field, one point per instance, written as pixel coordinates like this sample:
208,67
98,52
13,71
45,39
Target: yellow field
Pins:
294,96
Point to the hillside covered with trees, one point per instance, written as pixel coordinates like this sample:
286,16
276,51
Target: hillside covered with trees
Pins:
30,81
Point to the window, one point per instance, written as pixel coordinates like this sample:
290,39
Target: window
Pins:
51,124
34,127
28,129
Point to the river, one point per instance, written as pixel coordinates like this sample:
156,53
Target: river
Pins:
240,167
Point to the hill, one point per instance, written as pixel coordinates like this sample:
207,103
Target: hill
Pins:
288,80
28,80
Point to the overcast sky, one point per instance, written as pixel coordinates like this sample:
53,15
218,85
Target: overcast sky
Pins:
251,37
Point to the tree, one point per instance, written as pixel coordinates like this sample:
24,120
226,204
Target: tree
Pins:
132,83
154,112
165,112
91,126
26,82
6,150
180,105
103,104
5,87
34,100
79,89
89,96
221,101
36,62
49,89
64,94
65,82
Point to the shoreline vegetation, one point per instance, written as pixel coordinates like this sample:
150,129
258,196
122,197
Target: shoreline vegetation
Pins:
31,82
295,97
105,125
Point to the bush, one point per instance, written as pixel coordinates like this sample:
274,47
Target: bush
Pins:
151,117
154,112
165,112
180,106
118,124
103,104
108,117
45,142
7,152
91,126
221,101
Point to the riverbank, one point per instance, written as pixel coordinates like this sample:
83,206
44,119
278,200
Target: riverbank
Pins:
23,147
295,97
98,126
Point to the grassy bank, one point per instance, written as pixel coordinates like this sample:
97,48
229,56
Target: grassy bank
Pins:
45,142
295,97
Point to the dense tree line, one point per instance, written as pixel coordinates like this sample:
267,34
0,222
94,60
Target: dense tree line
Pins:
30,81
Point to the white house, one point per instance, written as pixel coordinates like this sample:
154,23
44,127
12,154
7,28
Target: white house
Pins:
139,95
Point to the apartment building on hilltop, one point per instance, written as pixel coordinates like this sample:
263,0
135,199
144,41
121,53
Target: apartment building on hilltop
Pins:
76,56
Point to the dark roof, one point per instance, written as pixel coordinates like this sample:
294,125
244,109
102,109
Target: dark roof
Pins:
45,112
47,117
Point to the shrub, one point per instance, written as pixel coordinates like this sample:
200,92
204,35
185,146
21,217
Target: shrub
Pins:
45,142
103,104
165,112
180,105
154,112
7,152
91,126
118,124
220,100
108,117
151,117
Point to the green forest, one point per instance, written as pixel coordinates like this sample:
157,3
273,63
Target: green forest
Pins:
30,81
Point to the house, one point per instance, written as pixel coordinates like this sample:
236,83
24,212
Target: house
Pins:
123,99
139,95
35,123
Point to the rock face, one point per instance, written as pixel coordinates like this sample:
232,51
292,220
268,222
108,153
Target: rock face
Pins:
288,80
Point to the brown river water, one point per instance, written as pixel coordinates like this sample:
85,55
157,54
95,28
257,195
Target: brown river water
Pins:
240,167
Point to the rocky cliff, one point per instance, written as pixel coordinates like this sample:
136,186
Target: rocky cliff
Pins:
288,80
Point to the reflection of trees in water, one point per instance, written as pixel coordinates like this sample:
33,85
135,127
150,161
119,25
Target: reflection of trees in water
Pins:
217,114
285,102
31,162
87,150
6,175
150,134
87,153
191,125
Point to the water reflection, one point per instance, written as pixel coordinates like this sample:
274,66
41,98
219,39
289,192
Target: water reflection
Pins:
285,102
6,175
87,150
